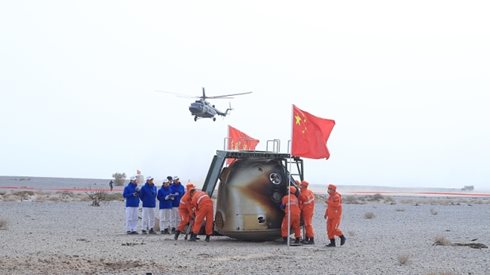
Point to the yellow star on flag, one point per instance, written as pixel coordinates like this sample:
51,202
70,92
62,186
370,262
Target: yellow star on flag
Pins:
301,120
298,119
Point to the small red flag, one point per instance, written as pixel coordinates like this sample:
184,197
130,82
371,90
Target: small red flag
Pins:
238,140
310,135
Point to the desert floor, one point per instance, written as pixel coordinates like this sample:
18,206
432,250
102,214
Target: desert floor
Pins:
387,235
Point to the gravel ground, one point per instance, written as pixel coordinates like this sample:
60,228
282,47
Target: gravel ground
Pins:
74,237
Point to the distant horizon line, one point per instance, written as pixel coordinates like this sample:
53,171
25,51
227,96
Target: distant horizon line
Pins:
312,184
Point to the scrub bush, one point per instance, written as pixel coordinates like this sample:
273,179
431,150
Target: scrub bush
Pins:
403,259
441,240
351,200
369,215
119,178
3,224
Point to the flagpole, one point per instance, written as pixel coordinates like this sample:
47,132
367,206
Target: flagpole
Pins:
292,122
289,212
289,180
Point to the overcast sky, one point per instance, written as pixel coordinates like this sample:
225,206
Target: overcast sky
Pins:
407,82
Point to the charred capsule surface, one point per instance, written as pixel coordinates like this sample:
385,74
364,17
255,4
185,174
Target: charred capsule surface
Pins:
249,198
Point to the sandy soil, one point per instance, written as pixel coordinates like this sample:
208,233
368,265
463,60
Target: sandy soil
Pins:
72,237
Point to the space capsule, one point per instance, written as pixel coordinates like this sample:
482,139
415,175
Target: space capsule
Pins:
248,199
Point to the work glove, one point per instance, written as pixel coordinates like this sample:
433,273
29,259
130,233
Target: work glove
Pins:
325,216
167,197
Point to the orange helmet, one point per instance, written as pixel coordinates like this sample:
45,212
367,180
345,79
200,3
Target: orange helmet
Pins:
292,190
332,187
189,186
304,184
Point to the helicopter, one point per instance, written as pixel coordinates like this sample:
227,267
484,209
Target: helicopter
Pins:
201,108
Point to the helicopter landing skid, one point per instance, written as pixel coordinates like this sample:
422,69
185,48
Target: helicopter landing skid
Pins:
196,118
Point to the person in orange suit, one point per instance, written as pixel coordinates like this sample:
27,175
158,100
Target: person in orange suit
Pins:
290,204
185,210
333,215
307,206
203,208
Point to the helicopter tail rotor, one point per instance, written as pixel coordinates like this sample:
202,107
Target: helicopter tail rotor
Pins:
228,109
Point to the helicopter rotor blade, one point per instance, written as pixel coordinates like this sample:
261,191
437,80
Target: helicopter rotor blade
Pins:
229,96
204,96
177,94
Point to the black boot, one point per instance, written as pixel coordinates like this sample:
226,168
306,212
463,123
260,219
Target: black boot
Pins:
332,243
177,233
197,238
342,239
311,241
305,241
193,237
296,241
207,238
284,240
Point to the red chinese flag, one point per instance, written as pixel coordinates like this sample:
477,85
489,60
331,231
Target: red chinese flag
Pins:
238,140
310,135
